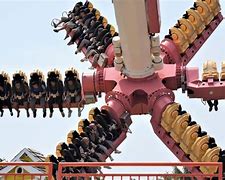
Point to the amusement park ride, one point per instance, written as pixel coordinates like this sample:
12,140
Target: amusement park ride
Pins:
138,73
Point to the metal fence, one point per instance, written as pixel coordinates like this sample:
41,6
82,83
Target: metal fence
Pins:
146,175
11,171
46,171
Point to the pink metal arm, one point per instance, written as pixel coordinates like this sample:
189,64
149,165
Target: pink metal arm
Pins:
158,109
153,16
210,90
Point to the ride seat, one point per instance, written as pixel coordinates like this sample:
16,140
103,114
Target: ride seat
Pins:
222,74
196,19
210,71
211,155
199,148
214,5
179,126
169,115
188,28
205,11
179,38
188,138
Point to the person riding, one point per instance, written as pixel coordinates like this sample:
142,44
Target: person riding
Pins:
82,124
37,92
72,88
5,93
51,158
71,14
55,91
105,120
20,91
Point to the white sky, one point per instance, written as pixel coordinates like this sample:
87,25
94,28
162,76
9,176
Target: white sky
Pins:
27,42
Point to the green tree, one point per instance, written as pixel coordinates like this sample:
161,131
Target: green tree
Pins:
184,170
177,170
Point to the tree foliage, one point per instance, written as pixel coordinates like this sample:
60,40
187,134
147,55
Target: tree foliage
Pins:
177,170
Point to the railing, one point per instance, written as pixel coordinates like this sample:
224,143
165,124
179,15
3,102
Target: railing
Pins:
134,174
145,175
46,172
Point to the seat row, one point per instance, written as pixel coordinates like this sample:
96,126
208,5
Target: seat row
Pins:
193,23
89,30
210,71
19,93
195,143
93,141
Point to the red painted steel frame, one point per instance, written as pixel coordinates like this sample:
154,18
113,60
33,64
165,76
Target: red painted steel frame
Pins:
206,90
46,165
153,16
139,175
